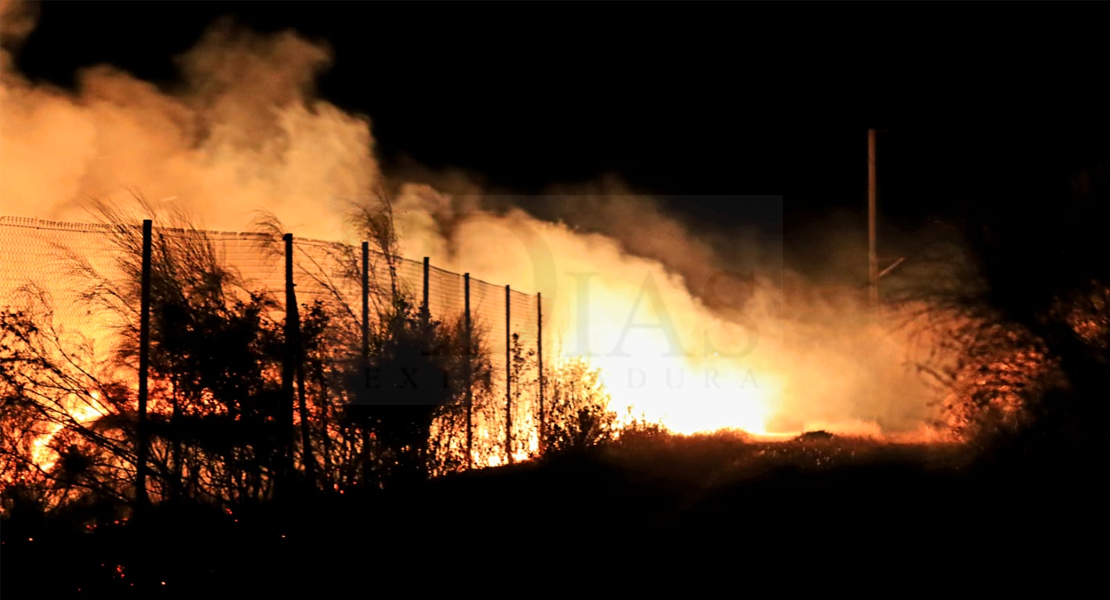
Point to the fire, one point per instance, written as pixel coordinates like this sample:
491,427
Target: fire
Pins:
687,394
80,411
663,355
245,131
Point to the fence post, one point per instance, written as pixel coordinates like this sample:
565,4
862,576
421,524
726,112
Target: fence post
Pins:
295,351
508,380
288,367
539,362
144,366
365,346
365,301
469,375
425,311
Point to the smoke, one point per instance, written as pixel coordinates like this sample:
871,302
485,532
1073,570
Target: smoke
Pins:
698,329
242,131
17,20
768,353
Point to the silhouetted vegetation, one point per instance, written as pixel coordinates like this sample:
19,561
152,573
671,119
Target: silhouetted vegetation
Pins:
235,416
1027,317
276,469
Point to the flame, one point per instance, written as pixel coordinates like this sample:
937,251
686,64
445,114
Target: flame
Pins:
245,131
663,355
693,393
80,411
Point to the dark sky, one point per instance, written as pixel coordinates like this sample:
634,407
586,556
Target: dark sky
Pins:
706,99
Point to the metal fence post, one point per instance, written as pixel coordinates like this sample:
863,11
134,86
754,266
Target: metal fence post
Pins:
365,301
288,369
508,379
469,375
426,313
539,362
141,498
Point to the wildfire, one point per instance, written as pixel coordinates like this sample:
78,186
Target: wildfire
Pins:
81,412
688,395
663,355
252,141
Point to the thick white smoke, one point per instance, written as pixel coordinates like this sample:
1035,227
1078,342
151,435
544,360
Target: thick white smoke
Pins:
244,131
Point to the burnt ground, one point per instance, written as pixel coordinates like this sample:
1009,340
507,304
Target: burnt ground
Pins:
633,517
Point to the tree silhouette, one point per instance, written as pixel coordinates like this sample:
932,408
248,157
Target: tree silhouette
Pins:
1026,316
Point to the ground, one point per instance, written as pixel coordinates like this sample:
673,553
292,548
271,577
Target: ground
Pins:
632,515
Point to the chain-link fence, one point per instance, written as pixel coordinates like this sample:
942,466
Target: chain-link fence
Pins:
39,257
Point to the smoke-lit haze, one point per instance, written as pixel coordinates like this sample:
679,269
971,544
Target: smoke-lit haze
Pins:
243,130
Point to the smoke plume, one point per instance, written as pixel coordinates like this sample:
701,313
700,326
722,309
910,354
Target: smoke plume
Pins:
701,330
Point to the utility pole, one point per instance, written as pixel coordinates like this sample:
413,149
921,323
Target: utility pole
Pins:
872,250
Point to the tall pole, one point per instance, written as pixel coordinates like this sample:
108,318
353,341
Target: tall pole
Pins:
469,384
539,362
144,366
872,251
508,381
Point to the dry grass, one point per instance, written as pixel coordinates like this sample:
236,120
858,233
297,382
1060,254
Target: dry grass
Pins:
722,458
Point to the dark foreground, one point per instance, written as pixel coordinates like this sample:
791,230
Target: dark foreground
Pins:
758,516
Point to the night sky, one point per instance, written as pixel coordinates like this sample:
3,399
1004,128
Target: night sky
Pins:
715,100
990,116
